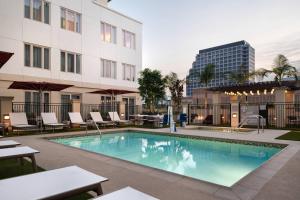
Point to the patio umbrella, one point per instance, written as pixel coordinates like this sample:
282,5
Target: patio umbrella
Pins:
38,86
4,57
113,93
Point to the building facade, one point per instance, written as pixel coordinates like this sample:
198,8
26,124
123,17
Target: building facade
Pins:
78,42
234,57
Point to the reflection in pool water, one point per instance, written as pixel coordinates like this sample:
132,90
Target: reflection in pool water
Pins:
218,162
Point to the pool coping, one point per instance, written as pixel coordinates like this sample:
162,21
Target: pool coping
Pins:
236,184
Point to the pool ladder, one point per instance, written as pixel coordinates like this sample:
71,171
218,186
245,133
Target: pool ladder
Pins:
95,123
258,117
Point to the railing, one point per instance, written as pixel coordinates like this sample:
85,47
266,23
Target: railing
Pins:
33,110
102,108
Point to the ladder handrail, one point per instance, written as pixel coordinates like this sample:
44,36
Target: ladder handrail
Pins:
258,117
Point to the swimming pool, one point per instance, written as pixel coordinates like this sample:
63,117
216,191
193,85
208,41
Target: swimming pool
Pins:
219,162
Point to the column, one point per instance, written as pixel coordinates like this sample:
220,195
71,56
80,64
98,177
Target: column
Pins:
280,113
216,100
235,111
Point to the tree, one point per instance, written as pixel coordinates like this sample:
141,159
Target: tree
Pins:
175,86
242,75
280,69
152,87
205,77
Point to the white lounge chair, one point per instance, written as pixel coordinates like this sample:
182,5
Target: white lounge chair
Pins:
19,121
54,184
97,118
19,152
75,118
8,144
114,116
127,193
50,120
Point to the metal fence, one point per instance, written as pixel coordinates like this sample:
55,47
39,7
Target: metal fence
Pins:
211,114
33,110
102,108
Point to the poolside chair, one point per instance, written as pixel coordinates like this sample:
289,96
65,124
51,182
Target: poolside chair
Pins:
97,118
19,121
54,184
50,120
75,118
127,193
8,144
19,152
114,116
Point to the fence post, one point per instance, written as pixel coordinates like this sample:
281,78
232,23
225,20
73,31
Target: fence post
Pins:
280,113
188,114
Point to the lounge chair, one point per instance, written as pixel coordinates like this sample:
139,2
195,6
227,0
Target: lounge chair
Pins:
19,121
114,116
19,152
76,118
127,193
54,184
8,144
97,118
50,120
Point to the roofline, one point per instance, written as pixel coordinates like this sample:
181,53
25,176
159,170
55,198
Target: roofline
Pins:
130,18
242,42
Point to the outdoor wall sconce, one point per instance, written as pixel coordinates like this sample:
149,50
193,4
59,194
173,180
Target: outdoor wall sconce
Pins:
234,115
122,114
6,117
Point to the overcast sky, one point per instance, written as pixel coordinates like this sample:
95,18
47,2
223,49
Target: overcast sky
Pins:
175,30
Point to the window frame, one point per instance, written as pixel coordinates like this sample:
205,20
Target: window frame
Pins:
103,70
42,11
113,32
31,46
76,14
66,53
132,36
131,79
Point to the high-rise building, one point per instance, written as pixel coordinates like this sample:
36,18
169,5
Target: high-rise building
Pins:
234,57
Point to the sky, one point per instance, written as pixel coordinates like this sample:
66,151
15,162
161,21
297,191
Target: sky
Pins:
175,30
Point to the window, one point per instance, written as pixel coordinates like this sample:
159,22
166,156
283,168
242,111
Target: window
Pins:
108,33
70,20
70,62
38,10
128,72
36,56
128,39
108,69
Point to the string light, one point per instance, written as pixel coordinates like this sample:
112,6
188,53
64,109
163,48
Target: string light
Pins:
258,93
272,91
251,93
265,92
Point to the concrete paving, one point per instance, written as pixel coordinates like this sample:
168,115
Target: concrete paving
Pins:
281,171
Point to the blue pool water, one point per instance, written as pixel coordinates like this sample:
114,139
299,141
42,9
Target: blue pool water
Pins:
217,162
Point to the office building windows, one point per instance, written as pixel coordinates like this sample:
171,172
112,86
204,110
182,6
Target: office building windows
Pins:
36,56
70,20
70,62
108,69
38,10
128,39
128,72
108,33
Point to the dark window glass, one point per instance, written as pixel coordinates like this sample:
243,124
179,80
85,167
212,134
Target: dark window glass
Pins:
63,61
46,58
71,62
47,12
27,9
37,57
78,64
27,55
37,10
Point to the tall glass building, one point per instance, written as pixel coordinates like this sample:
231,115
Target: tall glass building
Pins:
237,56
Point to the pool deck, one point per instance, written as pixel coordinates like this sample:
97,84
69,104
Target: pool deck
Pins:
278,178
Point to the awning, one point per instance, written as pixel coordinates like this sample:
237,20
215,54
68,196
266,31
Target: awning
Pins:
114,92
4,57
38,86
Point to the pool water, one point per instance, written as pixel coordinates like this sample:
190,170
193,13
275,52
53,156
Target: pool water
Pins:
222,163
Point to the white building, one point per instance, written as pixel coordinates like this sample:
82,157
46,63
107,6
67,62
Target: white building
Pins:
79,42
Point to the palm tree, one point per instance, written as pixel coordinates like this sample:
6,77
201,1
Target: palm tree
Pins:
205,77
280,69
241,76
